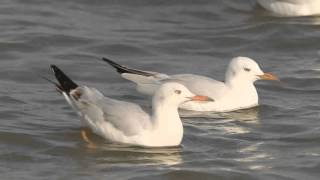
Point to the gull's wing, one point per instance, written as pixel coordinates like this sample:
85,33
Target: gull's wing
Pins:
126,117
201,85
147,81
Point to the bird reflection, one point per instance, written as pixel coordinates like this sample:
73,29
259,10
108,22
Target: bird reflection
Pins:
315,20
228,122
253,154
247,115
122,153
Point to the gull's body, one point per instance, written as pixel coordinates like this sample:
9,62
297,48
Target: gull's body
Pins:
237,92
126,122
292,7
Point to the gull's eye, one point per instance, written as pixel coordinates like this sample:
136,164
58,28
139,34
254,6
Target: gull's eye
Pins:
177,91
247,69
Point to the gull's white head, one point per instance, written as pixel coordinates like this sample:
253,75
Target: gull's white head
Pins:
244,69
175,94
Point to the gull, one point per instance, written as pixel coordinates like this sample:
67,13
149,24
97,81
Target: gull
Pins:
237,92
125,122
292,7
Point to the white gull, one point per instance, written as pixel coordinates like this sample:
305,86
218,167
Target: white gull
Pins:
237,92
126,122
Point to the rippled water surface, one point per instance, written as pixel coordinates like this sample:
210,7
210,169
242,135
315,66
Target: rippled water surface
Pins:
40,134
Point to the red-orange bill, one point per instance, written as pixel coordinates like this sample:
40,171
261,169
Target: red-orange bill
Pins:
269,76
201,98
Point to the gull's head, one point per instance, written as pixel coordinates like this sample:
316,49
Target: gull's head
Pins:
246,70
175,94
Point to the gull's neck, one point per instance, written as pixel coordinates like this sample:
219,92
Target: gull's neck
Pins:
237,81
241,86
242,91
164,114
166,121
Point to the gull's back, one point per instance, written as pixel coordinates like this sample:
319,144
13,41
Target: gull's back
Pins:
201,85
106,114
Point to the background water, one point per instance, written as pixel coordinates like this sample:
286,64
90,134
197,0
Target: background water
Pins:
39,132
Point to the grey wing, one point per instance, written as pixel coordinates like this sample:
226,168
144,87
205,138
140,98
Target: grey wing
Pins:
146,84
125,116
201,85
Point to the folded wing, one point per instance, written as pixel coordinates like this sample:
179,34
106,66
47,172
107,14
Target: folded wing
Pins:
124,117
147,81
101,113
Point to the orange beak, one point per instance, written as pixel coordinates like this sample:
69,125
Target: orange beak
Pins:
200,98
269,76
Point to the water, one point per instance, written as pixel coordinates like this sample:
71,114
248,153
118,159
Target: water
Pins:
39,132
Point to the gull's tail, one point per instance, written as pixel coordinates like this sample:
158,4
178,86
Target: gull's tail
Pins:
65,83
122,69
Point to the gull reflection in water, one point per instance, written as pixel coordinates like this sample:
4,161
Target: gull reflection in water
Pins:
255,157
315,20
228,122
308,20
304,20
149,156
122,153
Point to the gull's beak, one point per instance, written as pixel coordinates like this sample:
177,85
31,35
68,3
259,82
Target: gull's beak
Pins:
269,76
200,98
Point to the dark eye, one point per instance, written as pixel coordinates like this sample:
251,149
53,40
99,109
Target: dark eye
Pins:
177,91
247,69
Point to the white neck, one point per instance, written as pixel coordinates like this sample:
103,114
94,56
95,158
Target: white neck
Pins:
167,123
238,82
242,91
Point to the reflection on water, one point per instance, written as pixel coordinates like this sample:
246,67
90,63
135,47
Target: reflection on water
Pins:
145,156
247,115
253,153
119,153
309,20
314,20
228,121
234,129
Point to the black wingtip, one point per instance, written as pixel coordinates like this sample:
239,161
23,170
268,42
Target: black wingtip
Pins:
122,69
65,83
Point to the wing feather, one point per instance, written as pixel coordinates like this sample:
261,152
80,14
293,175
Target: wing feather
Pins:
126,117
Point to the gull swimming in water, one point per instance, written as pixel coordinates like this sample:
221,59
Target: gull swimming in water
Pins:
292,7
126,122
237,92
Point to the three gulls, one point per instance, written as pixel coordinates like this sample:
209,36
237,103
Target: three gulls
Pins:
292,7
237,92
126,122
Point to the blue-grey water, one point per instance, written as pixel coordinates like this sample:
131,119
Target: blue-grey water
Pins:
40,133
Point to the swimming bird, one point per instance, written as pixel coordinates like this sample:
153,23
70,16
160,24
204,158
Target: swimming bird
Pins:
237,92
125,122
292,7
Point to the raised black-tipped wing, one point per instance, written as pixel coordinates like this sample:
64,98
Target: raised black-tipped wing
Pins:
65,83
122,69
